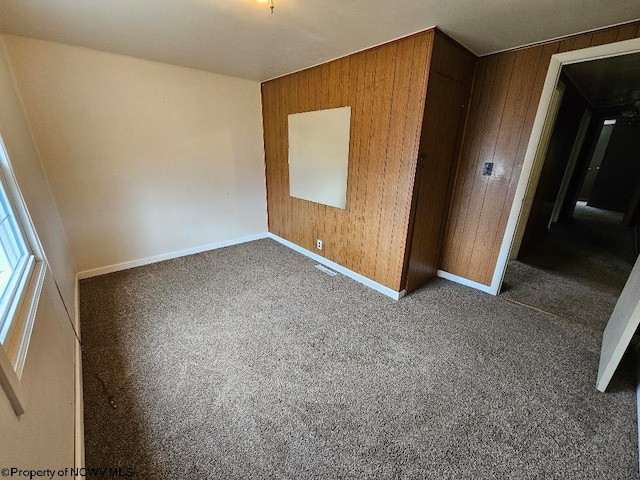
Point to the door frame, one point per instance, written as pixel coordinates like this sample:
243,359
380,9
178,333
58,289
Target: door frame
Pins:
541,155
532,165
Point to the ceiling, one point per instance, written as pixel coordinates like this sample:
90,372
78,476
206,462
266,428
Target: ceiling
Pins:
607,82
241,38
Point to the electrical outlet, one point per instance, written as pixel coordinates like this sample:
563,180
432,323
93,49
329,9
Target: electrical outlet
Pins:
319,244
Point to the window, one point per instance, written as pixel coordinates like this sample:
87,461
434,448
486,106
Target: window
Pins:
21,277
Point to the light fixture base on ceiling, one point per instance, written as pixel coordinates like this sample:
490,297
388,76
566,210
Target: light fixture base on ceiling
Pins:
271,5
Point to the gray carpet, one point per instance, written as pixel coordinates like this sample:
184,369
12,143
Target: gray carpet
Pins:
578,271
604,229
249,363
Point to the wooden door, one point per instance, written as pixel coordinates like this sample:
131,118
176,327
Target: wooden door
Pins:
441,127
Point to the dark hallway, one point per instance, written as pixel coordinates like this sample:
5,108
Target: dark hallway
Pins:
577,271
581,238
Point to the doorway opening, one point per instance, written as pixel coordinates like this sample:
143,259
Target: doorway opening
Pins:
579,242
572,241
538,143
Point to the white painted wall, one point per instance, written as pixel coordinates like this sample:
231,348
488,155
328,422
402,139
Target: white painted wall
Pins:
32,180
44,435
144,159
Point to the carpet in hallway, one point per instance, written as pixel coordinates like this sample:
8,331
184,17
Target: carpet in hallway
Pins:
577,271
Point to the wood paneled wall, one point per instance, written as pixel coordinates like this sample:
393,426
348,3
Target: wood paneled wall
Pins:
385,87
504,102
448,90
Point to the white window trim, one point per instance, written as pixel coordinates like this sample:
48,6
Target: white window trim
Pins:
14,353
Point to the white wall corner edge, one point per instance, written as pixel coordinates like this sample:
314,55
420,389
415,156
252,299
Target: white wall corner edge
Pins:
79,460
94,272
340,269
466,282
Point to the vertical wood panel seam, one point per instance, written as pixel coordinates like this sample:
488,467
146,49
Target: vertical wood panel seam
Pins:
405,101
385,161
367,149
473,112
476,141
511,177
404,139
484,196
472,166
456,173
423,81
360,111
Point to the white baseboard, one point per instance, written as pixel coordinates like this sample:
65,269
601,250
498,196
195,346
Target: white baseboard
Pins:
167,256
236,241
466,282
79,405
79,398
339,268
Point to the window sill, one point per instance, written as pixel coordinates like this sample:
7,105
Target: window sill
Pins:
13,352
